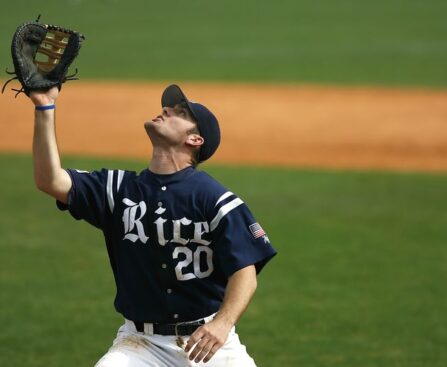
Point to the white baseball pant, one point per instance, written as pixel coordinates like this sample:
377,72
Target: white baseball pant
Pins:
134,349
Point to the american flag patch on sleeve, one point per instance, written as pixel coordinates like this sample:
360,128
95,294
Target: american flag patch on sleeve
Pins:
256,230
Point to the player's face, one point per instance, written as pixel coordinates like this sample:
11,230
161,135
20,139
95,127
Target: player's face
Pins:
172,126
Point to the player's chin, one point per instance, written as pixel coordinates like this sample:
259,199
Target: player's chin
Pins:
150,125
152,128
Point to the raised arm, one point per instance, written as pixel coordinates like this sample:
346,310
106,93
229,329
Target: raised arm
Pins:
49,176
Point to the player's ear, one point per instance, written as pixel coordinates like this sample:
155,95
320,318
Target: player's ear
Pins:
194,140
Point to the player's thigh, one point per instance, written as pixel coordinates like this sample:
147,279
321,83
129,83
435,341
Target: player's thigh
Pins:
133,350
120,359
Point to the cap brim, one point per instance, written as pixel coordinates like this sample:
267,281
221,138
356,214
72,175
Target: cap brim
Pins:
173,96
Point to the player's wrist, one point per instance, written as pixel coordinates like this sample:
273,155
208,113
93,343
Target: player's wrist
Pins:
45,107
42,100
44,97
225,319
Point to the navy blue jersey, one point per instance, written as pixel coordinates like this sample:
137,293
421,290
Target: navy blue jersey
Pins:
173,240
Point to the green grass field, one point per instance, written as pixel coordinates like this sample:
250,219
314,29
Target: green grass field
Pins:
359,279
320,41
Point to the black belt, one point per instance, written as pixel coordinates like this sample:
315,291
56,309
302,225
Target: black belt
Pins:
171,329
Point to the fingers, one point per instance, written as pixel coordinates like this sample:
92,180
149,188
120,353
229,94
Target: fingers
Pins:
203,344
201,350
212,352
193,339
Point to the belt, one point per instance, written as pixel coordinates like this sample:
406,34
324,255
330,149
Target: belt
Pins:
171,329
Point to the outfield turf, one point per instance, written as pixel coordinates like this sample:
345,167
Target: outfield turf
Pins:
359,279
325,41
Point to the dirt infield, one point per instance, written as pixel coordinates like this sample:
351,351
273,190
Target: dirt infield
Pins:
296,126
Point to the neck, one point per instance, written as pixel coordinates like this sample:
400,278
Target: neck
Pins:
163,162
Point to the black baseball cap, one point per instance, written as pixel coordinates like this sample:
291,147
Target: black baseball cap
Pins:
206,121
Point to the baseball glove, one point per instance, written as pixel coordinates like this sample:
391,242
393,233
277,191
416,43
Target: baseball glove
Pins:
42,54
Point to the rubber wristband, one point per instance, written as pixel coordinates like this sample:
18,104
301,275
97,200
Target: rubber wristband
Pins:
47,107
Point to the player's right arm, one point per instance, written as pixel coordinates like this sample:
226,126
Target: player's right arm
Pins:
49,176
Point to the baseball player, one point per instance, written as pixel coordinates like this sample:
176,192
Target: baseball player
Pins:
184,250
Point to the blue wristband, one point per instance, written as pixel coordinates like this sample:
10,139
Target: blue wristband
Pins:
47,107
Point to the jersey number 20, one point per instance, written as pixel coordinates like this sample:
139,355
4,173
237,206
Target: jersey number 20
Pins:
193,257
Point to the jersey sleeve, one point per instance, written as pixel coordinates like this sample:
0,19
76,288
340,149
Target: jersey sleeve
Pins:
239,240
92,195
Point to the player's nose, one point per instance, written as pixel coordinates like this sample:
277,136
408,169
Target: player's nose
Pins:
167,111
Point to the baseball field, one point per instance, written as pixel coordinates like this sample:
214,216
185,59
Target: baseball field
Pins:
334,122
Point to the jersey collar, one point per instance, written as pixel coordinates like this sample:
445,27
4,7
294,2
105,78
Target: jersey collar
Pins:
169,178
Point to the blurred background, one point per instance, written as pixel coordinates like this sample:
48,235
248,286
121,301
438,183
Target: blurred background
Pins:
334,120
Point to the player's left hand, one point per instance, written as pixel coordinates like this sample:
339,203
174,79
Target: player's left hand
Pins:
207,340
